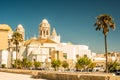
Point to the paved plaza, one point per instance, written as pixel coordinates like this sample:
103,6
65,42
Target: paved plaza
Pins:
13,76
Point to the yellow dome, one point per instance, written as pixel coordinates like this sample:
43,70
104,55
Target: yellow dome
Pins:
5,27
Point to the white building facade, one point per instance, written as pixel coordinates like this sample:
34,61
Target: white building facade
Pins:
41,48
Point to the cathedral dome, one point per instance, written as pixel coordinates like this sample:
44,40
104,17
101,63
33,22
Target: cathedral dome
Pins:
20,28
45,21
5,27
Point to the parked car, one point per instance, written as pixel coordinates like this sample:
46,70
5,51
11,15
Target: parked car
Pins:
117,72
98,69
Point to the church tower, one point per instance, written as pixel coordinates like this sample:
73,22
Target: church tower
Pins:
44,29
21,30
54,36
54,32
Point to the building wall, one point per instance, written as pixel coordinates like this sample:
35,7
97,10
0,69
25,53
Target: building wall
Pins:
72,50
3,39
4,57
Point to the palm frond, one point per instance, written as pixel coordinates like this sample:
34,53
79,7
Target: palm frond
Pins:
104,22
16,38
112,26
98,28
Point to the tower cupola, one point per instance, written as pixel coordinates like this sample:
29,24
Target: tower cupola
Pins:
44,29
21,30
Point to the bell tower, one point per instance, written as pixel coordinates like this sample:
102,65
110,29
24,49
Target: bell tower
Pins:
44,29
21,30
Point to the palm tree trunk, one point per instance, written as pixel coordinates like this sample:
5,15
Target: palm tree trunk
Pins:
16,54
105,37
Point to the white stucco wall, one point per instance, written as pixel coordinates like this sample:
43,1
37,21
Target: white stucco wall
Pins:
42,51
4,57
72,50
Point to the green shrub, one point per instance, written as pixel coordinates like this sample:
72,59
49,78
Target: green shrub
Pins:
65,64
3,65
37,64
55,64
14,66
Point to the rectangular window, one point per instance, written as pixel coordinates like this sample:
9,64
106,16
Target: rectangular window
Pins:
65,55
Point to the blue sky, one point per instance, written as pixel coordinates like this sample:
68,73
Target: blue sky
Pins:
72,19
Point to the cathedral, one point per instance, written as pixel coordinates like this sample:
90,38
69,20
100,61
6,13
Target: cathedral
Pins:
44,48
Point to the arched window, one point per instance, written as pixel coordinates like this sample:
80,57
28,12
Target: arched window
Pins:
40,32
47,32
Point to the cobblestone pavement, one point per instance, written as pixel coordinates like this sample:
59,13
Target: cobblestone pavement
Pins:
12,76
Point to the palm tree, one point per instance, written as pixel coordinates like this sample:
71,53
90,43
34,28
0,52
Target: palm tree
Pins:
105,22
16,39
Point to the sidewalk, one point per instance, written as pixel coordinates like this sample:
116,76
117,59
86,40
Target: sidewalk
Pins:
12,76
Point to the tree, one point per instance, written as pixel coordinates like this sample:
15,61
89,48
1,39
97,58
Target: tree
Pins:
17,64
105,22
55,64
26,63
29,64
112,66
91,65
78,66
21,64
83,62
16,39
37,64
65,64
